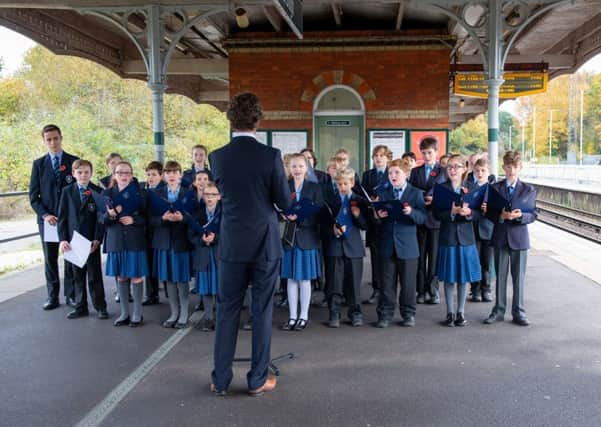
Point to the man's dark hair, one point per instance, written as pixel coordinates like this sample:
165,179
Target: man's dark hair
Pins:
51,128
245,111
428,142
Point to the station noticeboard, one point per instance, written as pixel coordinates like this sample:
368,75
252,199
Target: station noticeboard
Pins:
517,83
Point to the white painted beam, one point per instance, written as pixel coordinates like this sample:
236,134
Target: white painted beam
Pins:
336,10
274,18
399,15
216,95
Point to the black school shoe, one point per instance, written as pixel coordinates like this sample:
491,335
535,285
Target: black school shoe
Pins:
450,320
460,320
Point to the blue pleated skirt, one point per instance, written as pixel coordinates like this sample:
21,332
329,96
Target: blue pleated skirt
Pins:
301,264
127,264
206,281
171,266
458,264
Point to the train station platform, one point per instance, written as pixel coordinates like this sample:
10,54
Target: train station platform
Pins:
59,372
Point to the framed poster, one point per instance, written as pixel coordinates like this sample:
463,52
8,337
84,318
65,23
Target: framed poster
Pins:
289,141
263,137
394,139
416,135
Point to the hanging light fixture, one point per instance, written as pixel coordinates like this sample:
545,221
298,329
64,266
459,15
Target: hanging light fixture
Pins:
461,103
242,17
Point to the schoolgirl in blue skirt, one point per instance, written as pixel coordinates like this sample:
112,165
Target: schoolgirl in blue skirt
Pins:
171,246
204,259
125,242
458,263
301,262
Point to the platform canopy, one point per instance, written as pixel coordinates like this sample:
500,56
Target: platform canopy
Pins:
564,37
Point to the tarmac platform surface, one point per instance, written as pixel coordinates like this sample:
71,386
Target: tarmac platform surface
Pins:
59,372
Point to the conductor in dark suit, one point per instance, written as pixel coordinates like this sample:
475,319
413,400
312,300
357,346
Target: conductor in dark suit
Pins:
251,179
49,174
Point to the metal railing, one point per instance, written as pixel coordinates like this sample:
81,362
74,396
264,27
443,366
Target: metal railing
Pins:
21,236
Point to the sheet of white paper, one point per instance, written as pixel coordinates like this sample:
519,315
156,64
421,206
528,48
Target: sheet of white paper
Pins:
50,233
80,250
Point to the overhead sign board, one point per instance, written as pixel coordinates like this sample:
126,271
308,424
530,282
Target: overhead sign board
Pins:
292,12
518,83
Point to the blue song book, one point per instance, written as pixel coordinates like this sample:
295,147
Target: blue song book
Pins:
129,199
443,199
497,202
158,205
394,209
303,209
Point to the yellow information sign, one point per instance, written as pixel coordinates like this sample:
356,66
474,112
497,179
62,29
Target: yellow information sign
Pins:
517,83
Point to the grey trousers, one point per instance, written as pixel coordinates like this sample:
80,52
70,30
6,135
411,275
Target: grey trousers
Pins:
514,261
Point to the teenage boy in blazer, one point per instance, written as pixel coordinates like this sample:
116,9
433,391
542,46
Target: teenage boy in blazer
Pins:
199,163
371,181
78,211
344,250
511,241
397,245
424,177
49,175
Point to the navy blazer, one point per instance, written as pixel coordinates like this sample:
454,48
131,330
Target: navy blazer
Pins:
513,234
322,177
190,174
169,234
75,215
371,184
200,255
370,181
119,237
251,179
418,180
483,227
397,234
44,188
457,230
351,246
307,231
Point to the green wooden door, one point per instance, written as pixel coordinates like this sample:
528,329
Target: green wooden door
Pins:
334,132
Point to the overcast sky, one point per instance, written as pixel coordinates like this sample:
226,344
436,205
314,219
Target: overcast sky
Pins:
14,46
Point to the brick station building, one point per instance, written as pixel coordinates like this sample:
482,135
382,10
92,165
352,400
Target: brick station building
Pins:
337,89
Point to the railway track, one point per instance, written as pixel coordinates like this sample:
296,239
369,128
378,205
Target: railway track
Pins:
575,221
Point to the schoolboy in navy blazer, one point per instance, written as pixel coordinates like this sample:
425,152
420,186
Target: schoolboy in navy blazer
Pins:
511,242
344,254
371,181
251,179
425,177
48,178
398,249
80,212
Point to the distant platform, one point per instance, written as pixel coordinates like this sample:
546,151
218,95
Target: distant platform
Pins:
567,185
58,372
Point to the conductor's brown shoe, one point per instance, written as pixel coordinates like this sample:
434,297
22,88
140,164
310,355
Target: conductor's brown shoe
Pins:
269,385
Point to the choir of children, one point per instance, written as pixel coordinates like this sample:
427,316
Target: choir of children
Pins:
167,231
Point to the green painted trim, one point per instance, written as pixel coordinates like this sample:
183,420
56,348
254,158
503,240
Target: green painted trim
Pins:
159,138
493,135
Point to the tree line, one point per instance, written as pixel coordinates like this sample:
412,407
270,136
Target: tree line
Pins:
98,113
